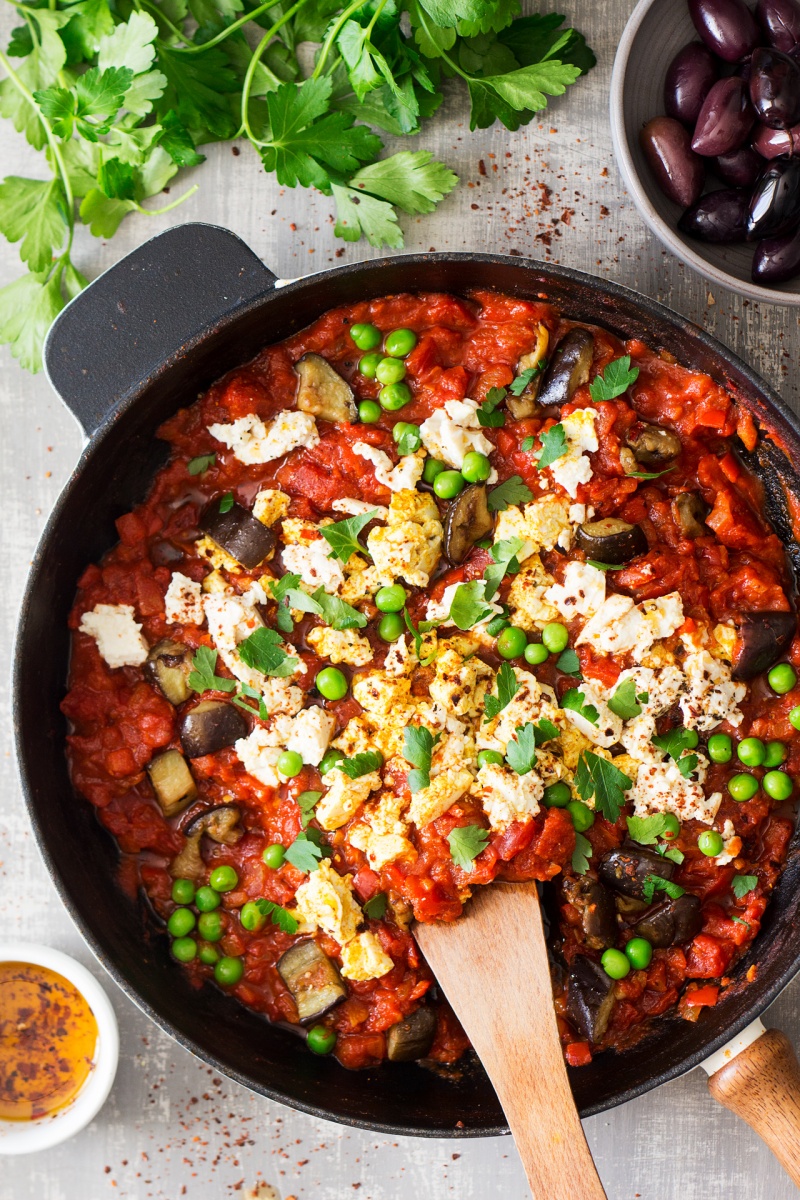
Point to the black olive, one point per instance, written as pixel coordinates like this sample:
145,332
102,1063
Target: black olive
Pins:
611,540
671,923
774,208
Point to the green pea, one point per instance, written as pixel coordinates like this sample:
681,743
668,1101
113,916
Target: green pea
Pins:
582,815
210,926
369,364
208,955
794,717
720,748
407,433
449,484
476,467
512,642
690,738
274,855
489,757
742,787
251,917
536,653
290,763
782,678
557,795
184,949
776,754
223,879
183,891
181,922
365,336
615,963
555,637
433,467
320,1040
778,785
638,952
369,411
497,625
400,342
391,626
394,396
330,683
390,370
751,752
391,598
207,899
228,971
672,826
329,761
710,843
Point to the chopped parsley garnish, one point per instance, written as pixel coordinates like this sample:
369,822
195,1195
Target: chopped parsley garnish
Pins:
307,802
417,631
569,663
469,605
305,852
598,777
418,744
581,854
742,884
336,613
466,843
513,491
527,443
226,503
288,595
342,536
554,446
671,852
376,907
649,474
409,442
196,466
263,652
277,915
202,677
625,702
505,563
523,379
246,693
654,883
521,751
576,702
487,414
673,743
601,566
615,379
507,688
647,830
545,731
361,764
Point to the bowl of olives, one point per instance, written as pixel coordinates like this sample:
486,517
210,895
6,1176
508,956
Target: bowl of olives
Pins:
705,120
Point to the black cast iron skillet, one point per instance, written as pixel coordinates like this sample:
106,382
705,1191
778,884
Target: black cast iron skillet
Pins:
146,338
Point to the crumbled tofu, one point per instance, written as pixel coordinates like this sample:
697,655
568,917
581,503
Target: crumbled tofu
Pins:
439,610
660,787
450,437
215,581
711,696
220,560
270,506
260,750
608,727
507,797
381,694
340,645
254,442
402,477
365,958
572,743
663,615
359,508
230,621
356,737
460,683
183,603
409,545
428,804
617,627
361,581
281,696
453,750
526,597
539,525
381,832
311,733
344,797
581,594
574,467
310,561
118,636
526,705
326,902
723,640
400,658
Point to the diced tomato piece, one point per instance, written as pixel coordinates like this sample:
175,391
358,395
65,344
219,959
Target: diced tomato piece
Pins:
702,996
578,1054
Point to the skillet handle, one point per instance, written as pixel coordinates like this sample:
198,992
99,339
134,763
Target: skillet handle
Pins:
146,310
762,1086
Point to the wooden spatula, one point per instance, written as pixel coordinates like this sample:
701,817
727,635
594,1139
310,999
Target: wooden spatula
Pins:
492,966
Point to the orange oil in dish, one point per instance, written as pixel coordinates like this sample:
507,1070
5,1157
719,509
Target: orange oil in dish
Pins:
48,1038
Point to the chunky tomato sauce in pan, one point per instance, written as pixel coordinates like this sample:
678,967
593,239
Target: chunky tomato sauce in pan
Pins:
510,609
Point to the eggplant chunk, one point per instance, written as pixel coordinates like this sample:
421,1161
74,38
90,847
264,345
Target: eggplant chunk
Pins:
671,923
239,534
211,726
188,863
689,511
762,638
172,782
322,392
220,823
590,997
168,666
611,540
468,520
526,404
596,907
652,445
412,1037
312,978
568,368
626,869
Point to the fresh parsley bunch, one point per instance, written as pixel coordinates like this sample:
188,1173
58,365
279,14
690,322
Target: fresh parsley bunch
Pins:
118,95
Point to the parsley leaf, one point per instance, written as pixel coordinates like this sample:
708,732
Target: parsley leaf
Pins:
469,605
654,883
376,907
505,563
487,414
33,212
359,214
601,566
649,474
304,853
263,652
412,180
545,731
342,536
671,852
90,106
569,663
518,385
521,753
511,98
575,700
743,884
507,688
466,843
598,777
418,744
336,612
417,631
226,503
196,466
647,830
675,741
287,594
409,441
202,677
687,764
624,702
615,379
277,915
527,443
513,491
554,446
246,692
307,802
581,854
361,764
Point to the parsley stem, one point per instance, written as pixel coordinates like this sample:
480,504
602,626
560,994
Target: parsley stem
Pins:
421,16
156,212
226,32
164,20
251,69
334,33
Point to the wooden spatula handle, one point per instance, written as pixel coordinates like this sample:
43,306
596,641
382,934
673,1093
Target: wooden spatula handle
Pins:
762,1086
498,984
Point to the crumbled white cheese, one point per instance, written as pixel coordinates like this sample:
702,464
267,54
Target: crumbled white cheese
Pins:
619,626
281,696
118,636
311,733
663,615
409,545
712,696
260,750
660,787
270,505
431,802
359,508
405,475
310,561
731,845
581,594
539,525
607,729
574,467
340,645
344,797
326,901
460,683
365,958
230,620
526,596
183,603
381,832
527,704
254,442
450,438
506,796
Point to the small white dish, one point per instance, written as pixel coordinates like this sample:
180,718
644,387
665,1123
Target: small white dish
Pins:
29,1137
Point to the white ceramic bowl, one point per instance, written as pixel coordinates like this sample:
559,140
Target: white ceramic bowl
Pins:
28,1137
655,32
